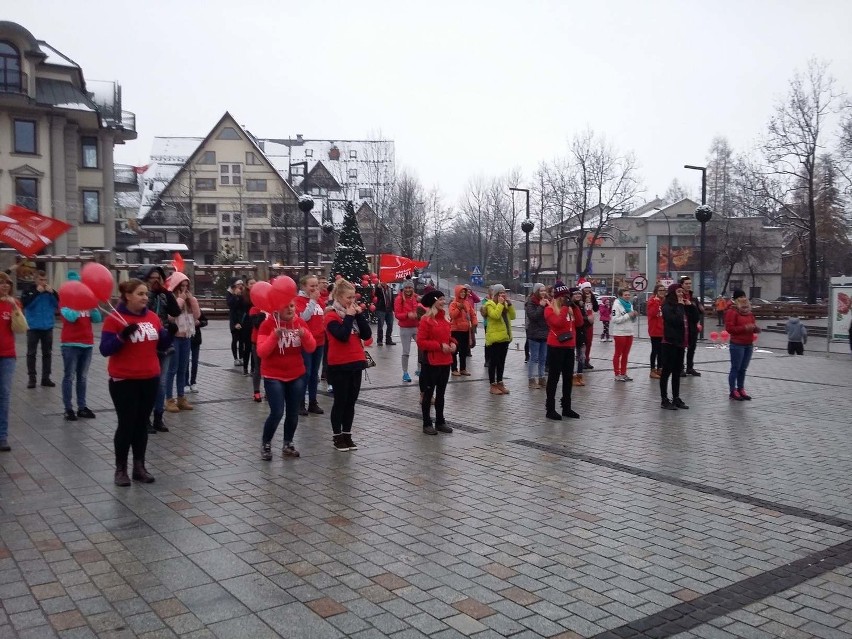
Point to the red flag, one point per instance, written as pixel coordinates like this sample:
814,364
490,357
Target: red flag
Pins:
177,263
139,170
28,231
397,267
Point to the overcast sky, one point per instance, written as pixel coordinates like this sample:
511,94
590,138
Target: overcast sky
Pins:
464,88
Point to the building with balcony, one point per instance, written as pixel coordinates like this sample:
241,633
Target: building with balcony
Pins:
57,135
232,189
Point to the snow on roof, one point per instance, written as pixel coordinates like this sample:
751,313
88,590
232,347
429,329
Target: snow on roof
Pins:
174,150
52,56
153,247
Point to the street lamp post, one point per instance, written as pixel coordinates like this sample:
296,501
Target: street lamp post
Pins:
703,214
526,226
306,204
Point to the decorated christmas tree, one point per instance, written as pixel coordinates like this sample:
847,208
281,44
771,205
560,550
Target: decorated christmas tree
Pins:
350,257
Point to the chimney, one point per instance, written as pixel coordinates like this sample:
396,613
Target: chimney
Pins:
299,137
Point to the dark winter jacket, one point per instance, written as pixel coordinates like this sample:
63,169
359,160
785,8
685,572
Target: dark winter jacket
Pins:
40,309
675,332
163,303
383,305
237,310
537,327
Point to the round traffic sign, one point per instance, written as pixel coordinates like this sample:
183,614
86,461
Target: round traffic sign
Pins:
639,283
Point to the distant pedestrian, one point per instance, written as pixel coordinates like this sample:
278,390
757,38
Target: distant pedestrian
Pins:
195,353
311,311
498,335
797,336
575,295
537,333
77,341
695,315
655,329
623,321
384,314
721,306
564,320
11,321
407,317
40,304
190,312
246,328
462,323
742,326
256,318
435,339
590,306
605,315
673,347
236,311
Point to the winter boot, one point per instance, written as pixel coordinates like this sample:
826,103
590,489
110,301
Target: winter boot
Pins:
183,404
171,406
140,474
121,478
159,426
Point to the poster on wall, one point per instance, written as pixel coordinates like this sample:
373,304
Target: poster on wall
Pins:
683,258
839,307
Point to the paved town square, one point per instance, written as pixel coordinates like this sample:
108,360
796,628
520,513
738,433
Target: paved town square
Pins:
731,519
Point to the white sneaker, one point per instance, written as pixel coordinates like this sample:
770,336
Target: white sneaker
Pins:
620,378
238,362
626,378
193,388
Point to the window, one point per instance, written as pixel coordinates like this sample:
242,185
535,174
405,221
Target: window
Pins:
353,154
26,193
365,193
252,159
25,136
10,69
89,147
228,133
353,174
91,207
208,157
230,174
226,231
255,185
206,209
297,169
256,210
309,153
205,184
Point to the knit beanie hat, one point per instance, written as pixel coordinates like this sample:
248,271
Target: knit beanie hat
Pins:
498,288
560,289
407,284
430,298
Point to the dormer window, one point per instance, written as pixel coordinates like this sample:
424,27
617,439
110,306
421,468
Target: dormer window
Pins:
11,78
353,154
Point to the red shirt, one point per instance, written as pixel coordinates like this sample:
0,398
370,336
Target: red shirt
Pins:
347,352
432,333
78,332
7,337
137,358
316,322
655,317
563,322
402,306
281,358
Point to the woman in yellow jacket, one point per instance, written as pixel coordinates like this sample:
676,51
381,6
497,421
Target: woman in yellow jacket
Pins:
499,314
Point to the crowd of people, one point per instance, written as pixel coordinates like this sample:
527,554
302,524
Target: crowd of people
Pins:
152,340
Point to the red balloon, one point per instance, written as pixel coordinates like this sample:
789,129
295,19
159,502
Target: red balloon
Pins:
724,335
99,280
375,299
368,342
259,294
357,296
372,308
714,336
754,337
282,293
77,296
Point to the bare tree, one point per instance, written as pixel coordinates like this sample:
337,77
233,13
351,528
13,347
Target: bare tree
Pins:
557,188
720,177
410,213
476,223
378,164
733,244
676,192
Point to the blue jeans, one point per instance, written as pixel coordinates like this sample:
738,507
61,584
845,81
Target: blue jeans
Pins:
7,372
313,363
165,364
382,318
76,360
178,367
740,358
283,397
538,358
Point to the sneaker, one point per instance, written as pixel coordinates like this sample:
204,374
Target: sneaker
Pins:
406,378
390,343
314,409
266,451
289,451
47,382
456,374
193,388
620,378
417,373
4,446
693,372
735,395
570,413
679,403
238,362
352,445
246,373
340,443
552,414
626,378
743,395
464,373
589,366
329,389
70,416
428,429
667,405
85,413
256,397
441,427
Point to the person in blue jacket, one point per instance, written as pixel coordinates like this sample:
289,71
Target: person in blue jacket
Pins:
40,304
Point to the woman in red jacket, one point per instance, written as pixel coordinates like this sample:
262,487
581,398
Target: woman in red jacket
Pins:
9,308
311,310
563,319
347,325
655,329
130,340
740,323
435,339
282,341
462,323
405,309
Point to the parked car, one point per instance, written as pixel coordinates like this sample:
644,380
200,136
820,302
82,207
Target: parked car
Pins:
759,301
786,299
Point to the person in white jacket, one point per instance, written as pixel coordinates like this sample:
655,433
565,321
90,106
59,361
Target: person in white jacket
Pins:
622,327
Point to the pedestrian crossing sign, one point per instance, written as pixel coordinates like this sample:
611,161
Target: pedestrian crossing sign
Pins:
476,271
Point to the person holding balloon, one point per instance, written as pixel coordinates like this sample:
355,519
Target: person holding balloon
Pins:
190,312
132,338
348,327
77,341
311,311
743,329
282,341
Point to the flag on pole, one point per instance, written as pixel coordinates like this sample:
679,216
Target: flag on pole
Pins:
177,262
139,170
396,267
27,231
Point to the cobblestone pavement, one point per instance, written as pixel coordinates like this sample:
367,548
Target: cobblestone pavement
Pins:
727,520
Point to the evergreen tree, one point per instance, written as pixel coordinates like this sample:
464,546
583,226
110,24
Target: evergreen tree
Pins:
350,257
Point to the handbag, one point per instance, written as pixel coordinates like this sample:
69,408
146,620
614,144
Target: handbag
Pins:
19,322
564,337
370,361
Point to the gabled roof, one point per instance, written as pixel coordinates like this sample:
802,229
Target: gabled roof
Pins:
320,176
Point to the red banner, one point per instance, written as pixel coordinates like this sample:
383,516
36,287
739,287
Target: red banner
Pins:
28,231
396,267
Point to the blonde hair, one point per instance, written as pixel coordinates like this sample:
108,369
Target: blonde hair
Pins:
306,278
341,288
5,279
432,311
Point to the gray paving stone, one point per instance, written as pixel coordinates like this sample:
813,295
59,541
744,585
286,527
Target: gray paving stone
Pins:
211,603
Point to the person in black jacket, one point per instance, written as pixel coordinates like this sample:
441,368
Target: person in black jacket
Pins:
236,312
194,350
384,313
675,341
164,304
695,315
246,328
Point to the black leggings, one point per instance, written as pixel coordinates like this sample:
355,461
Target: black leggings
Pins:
245,350
560,361
462,350
133,400
671,358
656,356
497,361
236,349
435,380
347,386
